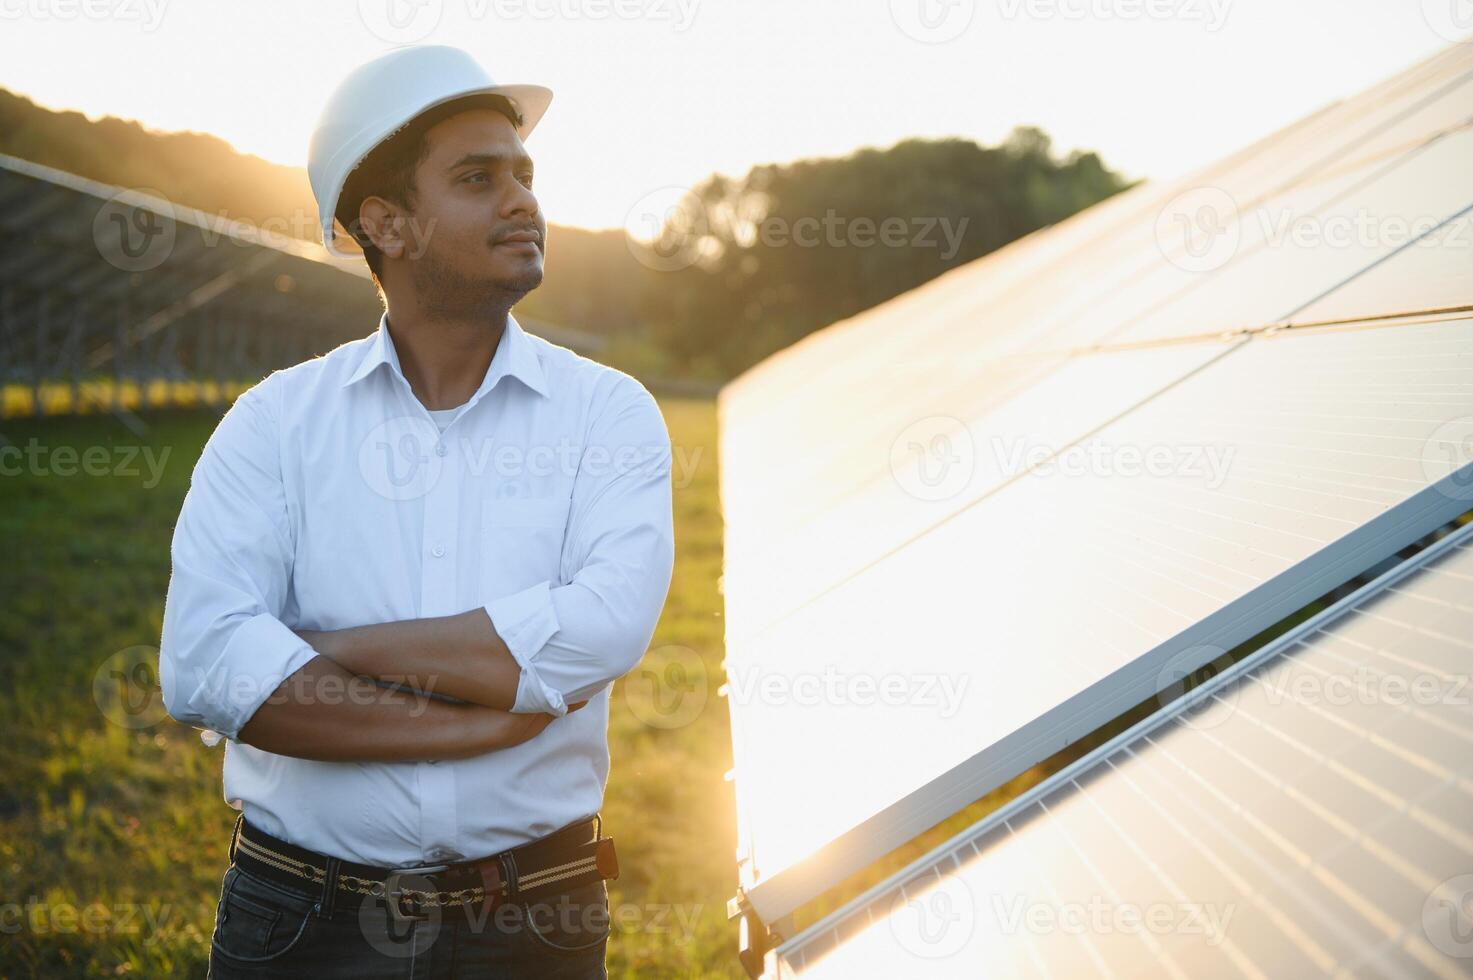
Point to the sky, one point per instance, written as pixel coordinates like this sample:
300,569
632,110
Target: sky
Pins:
655,94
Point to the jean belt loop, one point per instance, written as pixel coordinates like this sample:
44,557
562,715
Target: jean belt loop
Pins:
235,836
329,888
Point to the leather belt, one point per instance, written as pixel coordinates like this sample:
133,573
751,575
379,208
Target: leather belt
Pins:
568,858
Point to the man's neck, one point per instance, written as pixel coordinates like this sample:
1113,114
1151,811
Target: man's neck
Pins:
445,360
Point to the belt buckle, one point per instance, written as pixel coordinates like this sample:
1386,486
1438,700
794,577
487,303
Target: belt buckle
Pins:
393,891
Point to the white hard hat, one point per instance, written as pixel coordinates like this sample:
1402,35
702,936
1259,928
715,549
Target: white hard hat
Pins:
377,99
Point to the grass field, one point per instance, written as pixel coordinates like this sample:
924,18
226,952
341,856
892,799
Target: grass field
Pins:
113,834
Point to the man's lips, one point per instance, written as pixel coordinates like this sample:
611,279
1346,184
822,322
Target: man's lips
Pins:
520,238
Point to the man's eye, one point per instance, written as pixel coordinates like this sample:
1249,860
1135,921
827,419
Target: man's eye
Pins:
473,174
526,179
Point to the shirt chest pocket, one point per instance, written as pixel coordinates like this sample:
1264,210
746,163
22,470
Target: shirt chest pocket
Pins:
522,542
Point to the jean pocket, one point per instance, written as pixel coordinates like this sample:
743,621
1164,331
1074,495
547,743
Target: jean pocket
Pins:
257,922
575,922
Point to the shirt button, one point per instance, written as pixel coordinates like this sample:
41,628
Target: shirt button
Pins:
438,551
440,449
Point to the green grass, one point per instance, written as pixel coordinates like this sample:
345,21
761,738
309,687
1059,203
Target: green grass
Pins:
113,836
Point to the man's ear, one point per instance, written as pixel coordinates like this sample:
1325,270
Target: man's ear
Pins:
383,222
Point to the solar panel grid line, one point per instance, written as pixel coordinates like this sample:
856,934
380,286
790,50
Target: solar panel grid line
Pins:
1281,919
1161,720
1413,243
1361,903
1332,884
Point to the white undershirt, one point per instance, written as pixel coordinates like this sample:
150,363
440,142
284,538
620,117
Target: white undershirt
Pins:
443,416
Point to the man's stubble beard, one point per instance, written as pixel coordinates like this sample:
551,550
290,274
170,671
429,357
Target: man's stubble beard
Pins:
444,292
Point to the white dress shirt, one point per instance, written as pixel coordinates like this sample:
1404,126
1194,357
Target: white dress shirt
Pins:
327,497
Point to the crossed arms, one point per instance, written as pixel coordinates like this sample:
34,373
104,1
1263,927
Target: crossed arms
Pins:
228,662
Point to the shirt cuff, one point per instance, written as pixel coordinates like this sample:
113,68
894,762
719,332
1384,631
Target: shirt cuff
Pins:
261,654
525,621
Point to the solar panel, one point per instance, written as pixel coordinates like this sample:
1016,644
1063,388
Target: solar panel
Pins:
969,526
1309,812
1055,603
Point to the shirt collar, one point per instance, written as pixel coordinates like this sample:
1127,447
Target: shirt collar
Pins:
515,357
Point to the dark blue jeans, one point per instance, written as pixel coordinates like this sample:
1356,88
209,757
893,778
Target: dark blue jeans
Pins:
263,929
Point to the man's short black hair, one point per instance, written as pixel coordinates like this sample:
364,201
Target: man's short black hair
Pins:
388,170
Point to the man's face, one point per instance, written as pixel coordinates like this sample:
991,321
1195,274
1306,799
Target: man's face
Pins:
476,230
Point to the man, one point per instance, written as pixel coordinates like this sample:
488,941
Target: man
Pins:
402,569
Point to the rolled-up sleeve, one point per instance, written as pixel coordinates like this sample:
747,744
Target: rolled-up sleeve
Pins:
223,648
573,640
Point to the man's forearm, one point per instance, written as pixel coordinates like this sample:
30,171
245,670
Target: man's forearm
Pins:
325,712
460,656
